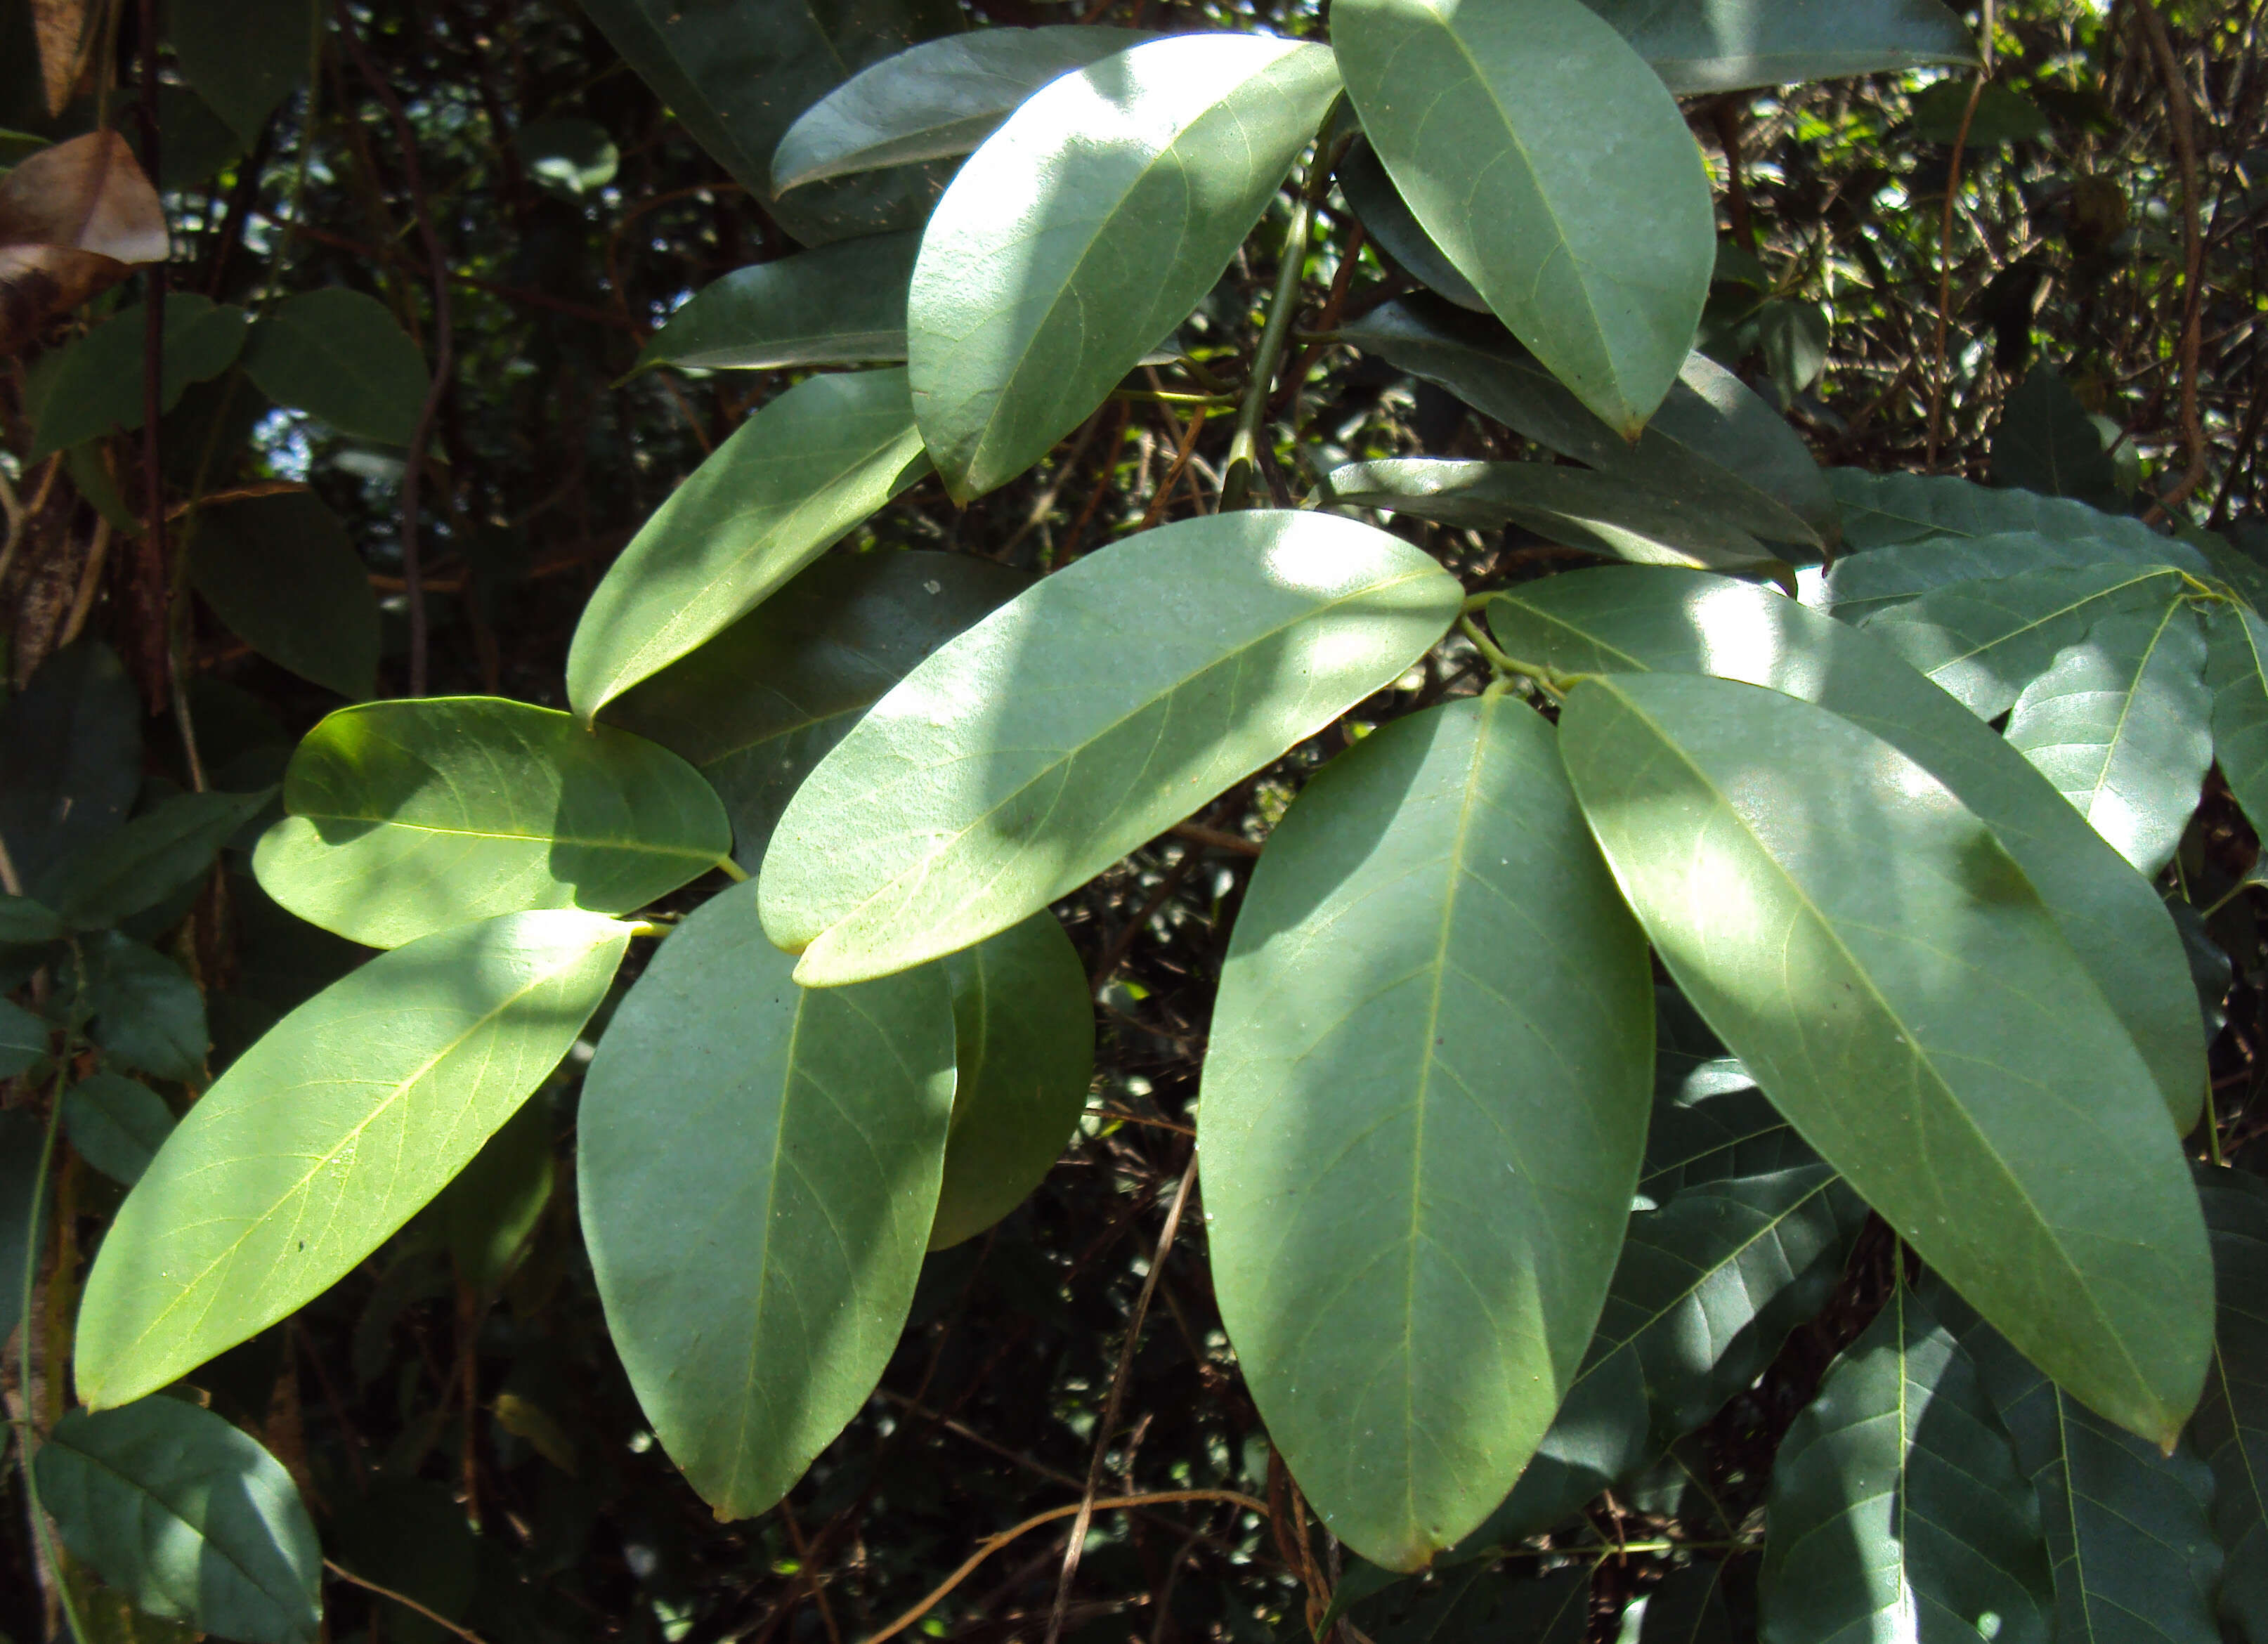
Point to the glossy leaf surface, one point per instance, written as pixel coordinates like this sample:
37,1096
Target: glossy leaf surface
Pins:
188,1517
1023,1029
2237,669
760,704
116,1124
937,99
1702,46
1416,1172
1594,243
1044,275
1618,620
1860,584
149,857
1008,768
2231,1423
788,484
344,358
758,1168
1896,1504
412,816
282,572
1886,970
840,304
330,1133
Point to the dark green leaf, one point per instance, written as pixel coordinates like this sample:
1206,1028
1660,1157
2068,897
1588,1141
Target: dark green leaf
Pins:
244,56
1880,509
791,482
1896,1504
1386,216
2231,1423
973,795
1702,46
1860,584
23,920
1417,1172
2046,443
2237,667
282,573
1596,250
1794,338
2003,116
22,1041
21,1138
95,385
343,357
188,1517
1484,1606
493,1206
760,705
1889,974
70,757
149,858
326,1137
842,305
1024,1056
116,1124
1044,276
147,1012
940,99
408,817
1686,1606
758,1167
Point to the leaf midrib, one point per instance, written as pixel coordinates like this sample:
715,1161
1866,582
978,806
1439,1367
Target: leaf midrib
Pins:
386,820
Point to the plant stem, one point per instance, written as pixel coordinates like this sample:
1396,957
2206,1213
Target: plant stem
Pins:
34,1243
1275,334
732,870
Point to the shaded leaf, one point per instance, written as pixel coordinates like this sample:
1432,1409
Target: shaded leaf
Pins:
966,799
282,573
95,385
149,858
116,1124
2231,1423
343,357
24,921
1880,509
1043,278
2237,669
1860,584
187,1516
1889,974
1417,1172
244,56
70,757
842,305
409,817
1484,1606
1596,252
1386,219
789,483
1700,46
21,1138
758,1170
1793,339
147,1012
2046,444
2003,116
22,1041
327,1136
492,1206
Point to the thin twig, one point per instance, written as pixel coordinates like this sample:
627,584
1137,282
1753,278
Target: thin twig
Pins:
1944,248
405,1601
2178,114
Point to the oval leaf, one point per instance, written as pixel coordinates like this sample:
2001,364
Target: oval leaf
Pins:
344,358
1045,274
842,305
409,817
116,1124
96,382
1386,217
326,1137
188,1517
1416,1171
70,757
758,1167
283,574
1023,1032
1594,246
788,484
1009,768
1703,46
1887,973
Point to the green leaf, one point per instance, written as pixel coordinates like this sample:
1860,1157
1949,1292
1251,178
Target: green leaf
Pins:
1860,585
2232,1424
2121,723
2237,665
96,382
1625,621
343,357
24,921
1703,45
1594,247
938,99
2126,1525
70,757
409,817
22,1041
1686,1606
1896,1504
1880,509
758,1170
1793,339
1605,513
2003,116
1712,442
188,1517
492,1207
21,1206
1023,1031
147,1012
1860,939
788,484
760,704
2045,443
328,1134
244,56
1386,219
1484,1606
282,573
116,1124
1044,276
1984,642
149,858
842,305
1009,768
571,157
1416,1170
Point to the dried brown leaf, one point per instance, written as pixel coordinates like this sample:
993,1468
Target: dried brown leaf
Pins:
86,194
65,31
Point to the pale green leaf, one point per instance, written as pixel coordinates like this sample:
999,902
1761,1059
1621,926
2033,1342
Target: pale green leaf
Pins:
790,484
282,572
1627,620
841,305
2237,669
1703,45
1047,271
187,1516
1897,1508
2231,1423
343,357
1884,968
758,1169
328,1134
1592,237
1417,1166
95,385
116,1124
1023,1057
149,858
1009,768
408,817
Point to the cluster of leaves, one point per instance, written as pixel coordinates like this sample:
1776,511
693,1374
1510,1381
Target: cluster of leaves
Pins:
1706,1121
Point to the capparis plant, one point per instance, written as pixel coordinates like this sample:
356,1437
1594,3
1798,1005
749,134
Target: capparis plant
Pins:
1861,784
